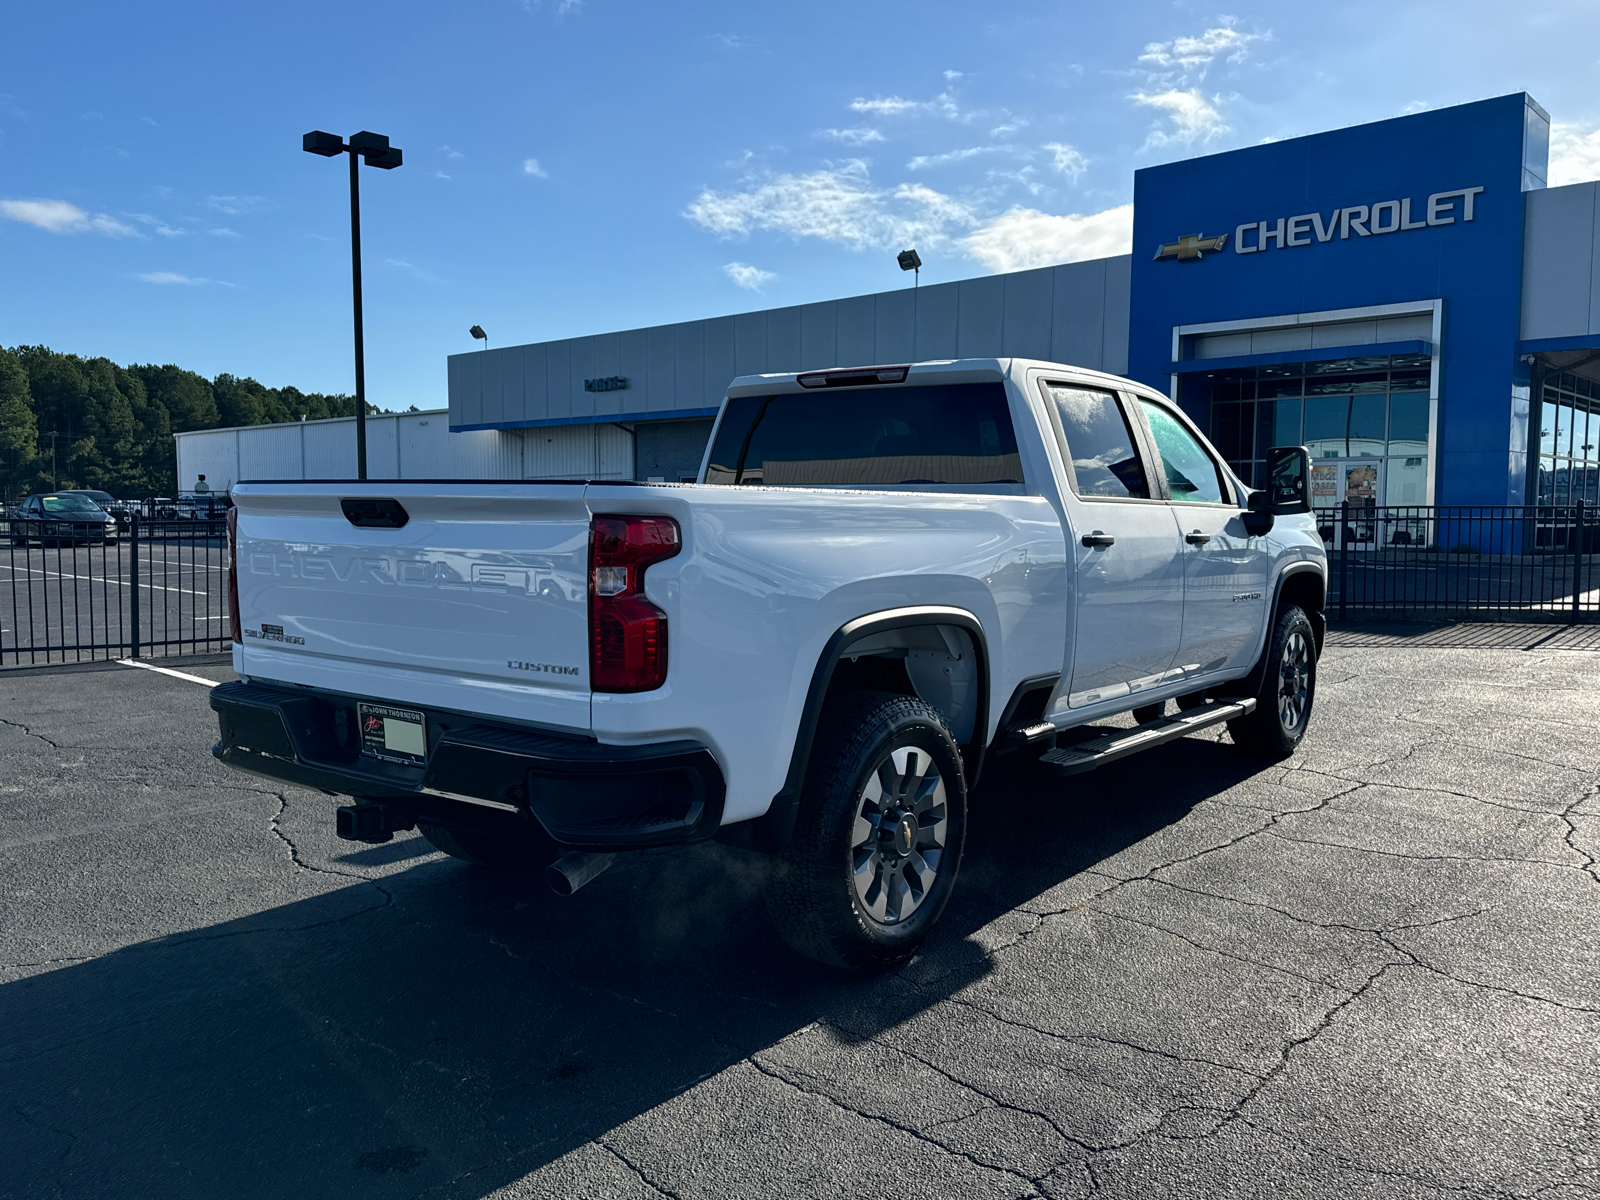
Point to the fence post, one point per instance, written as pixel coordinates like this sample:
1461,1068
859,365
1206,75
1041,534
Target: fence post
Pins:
1577,558
1342,540
133,582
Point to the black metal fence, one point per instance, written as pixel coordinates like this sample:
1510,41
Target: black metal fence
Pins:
1507,563
145,588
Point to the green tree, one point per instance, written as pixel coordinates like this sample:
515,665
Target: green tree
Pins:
187,397
19,432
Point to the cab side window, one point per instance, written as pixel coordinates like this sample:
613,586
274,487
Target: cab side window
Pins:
1099,443
1191,473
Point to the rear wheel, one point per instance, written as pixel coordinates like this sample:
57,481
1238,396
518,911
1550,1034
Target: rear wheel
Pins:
1288,688
521,850
878,838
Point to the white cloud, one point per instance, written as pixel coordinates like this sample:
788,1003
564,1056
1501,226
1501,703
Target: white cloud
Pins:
440,175
860,135
952,76
922,161
885,106
238,206
944,105
1574,155
1067,159
157,224
837,204
730,41
1192,56
1024,237
168,277
58,216
221,231
1194,118
449,153
746,276
1008,128
530,166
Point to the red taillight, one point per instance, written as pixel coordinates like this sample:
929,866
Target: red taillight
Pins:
627,634
234,627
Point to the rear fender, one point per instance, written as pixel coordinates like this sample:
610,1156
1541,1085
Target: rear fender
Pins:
891,630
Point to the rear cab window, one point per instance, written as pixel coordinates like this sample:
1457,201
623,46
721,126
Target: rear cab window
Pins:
918,437
1097,442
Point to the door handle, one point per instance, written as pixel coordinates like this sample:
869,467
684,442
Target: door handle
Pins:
1098,540
1197,538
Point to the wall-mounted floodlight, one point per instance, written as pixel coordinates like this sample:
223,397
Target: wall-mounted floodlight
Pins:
477,332
375,149
909,260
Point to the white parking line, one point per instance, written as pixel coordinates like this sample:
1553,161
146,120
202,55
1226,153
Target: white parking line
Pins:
131,662
100,579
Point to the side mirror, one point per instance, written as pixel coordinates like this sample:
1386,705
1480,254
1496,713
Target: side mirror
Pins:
1258,515
1289,480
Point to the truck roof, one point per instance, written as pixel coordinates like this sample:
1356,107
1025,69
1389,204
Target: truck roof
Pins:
942,370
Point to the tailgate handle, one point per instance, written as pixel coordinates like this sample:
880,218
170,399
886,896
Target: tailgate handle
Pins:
374,514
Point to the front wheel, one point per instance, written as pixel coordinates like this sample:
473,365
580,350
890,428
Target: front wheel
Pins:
1288,688
878,837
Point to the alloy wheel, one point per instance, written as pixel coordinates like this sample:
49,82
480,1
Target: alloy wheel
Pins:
1294,688
898,841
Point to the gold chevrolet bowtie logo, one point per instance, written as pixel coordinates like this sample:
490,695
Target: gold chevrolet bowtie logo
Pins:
1192,246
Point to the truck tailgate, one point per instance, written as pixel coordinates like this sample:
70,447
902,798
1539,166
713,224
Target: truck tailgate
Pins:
479,602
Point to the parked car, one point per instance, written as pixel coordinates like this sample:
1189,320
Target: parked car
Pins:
61,518
883,576
121,510
193,506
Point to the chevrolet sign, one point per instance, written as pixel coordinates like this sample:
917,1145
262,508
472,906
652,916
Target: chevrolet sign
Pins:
1192,246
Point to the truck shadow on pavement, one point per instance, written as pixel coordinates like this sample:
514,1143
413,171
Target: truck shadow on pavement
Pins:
446,1030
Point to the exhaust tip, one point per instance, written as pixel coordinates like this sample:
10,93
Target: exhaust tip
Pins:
571,871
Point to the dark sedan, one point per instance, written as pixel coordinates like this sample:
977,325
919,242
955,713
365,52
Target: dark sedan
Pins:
61,517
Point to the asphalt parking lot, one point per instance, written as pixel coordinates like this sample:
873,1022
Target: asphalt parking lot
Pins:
1371,971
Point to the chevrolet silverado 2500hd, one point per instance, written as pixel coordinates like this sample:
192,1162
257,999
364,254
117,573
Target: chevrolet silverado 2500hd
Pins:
882,576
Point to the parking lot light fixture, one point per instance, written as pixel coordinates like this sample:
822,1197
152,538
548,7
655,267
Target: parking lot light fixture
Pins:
375,149
477,332
910,260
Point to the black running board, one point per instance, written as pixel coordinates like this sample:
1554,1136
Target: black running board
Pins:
1119,743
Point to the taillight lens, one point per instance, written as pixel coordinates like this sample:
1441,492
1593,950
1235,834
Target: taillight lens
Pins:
234,628
627,634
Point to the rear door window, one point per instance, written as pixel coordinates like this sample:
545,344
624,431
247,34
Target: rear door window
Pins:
933,436
1098,443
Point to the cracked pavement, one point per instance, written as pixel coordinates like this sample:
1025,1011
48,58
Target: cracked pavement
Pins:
1371,970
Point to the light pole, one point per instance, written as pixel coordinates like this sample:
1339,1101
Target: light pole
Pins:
375,148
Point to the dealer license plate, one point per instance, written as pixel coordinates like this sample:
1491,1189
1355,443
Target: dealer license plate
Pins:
393,734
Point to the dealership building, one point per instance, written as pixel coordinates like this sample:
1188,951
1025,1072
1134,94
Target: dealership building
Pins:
1406,298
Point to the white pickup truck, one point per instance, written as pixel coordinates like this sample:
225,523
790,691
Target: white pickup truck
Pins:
882,576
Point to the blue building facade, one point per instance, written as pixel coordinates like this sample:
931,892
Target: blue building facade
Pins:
1364,299
1406,298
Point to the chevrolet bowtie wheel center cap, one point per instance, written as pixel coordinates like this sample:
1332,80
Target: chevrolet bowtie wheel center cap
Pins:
905,834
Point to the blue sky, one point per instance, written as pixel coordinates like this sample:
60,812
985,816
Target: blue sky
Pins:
576,167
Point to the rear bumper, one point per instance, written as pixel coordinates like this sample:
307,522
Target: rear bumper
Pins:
478,774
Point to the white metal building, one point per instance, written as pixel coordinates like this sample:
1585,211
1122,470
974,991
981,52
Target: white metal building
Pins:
417,445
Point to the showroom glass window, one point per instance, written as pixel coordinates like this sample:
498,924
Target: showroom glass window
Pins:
1351,409
1568,466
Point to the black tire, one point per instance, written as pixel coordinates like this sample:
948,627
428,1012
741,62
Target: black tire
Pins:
906,842
1288,689
521,850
